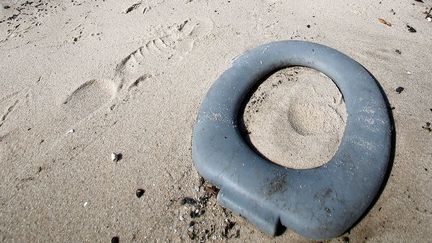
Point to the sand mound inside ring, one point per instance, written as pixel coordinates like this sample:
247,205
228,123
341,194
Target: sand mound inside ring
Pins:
296,118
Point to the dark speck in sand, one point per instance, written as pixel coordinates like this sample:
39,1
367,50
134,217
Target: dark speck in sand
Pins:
308,26
411,29
188,200
427,127
211,191
115,239
398,51
399,89
139,192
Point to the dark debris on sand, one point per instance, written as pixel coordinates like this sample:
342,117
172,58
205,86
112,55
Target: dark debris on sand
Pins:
139,192
411,29
202,216
399,89
115,239
427,127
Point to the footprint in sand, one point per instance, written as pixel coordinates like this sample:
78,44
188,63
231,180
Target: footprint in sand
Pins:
89,97
171,43
11,105
8,111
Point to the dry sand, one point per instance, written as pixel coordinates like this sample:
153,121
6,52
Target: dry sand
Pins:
296,118
128,77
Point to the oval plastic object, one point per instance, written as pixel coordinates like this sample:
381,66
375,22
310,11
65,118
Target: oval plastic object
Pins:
318,203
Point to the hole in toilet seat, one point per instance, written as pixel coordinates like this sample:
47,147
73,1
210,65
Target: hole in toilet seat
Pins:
295,118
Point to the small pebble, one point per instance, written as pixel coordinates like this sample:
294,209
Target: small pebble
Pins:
85,204
116,157
70,131
399,90
115,239
429,19
139,192
408,72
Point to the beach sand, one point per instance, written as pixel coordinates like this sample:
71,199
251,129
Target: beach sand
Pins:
81,80
296,118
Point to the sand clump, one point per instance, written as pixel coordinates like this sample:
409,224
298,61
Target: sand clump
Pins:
296,118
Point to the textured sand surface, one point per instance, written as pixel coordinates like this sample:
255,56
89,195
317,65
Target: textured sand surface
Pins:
296,118
128,77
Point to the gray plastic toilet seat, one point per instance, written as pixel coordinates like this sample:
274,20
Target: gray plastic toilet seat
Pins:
318,203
